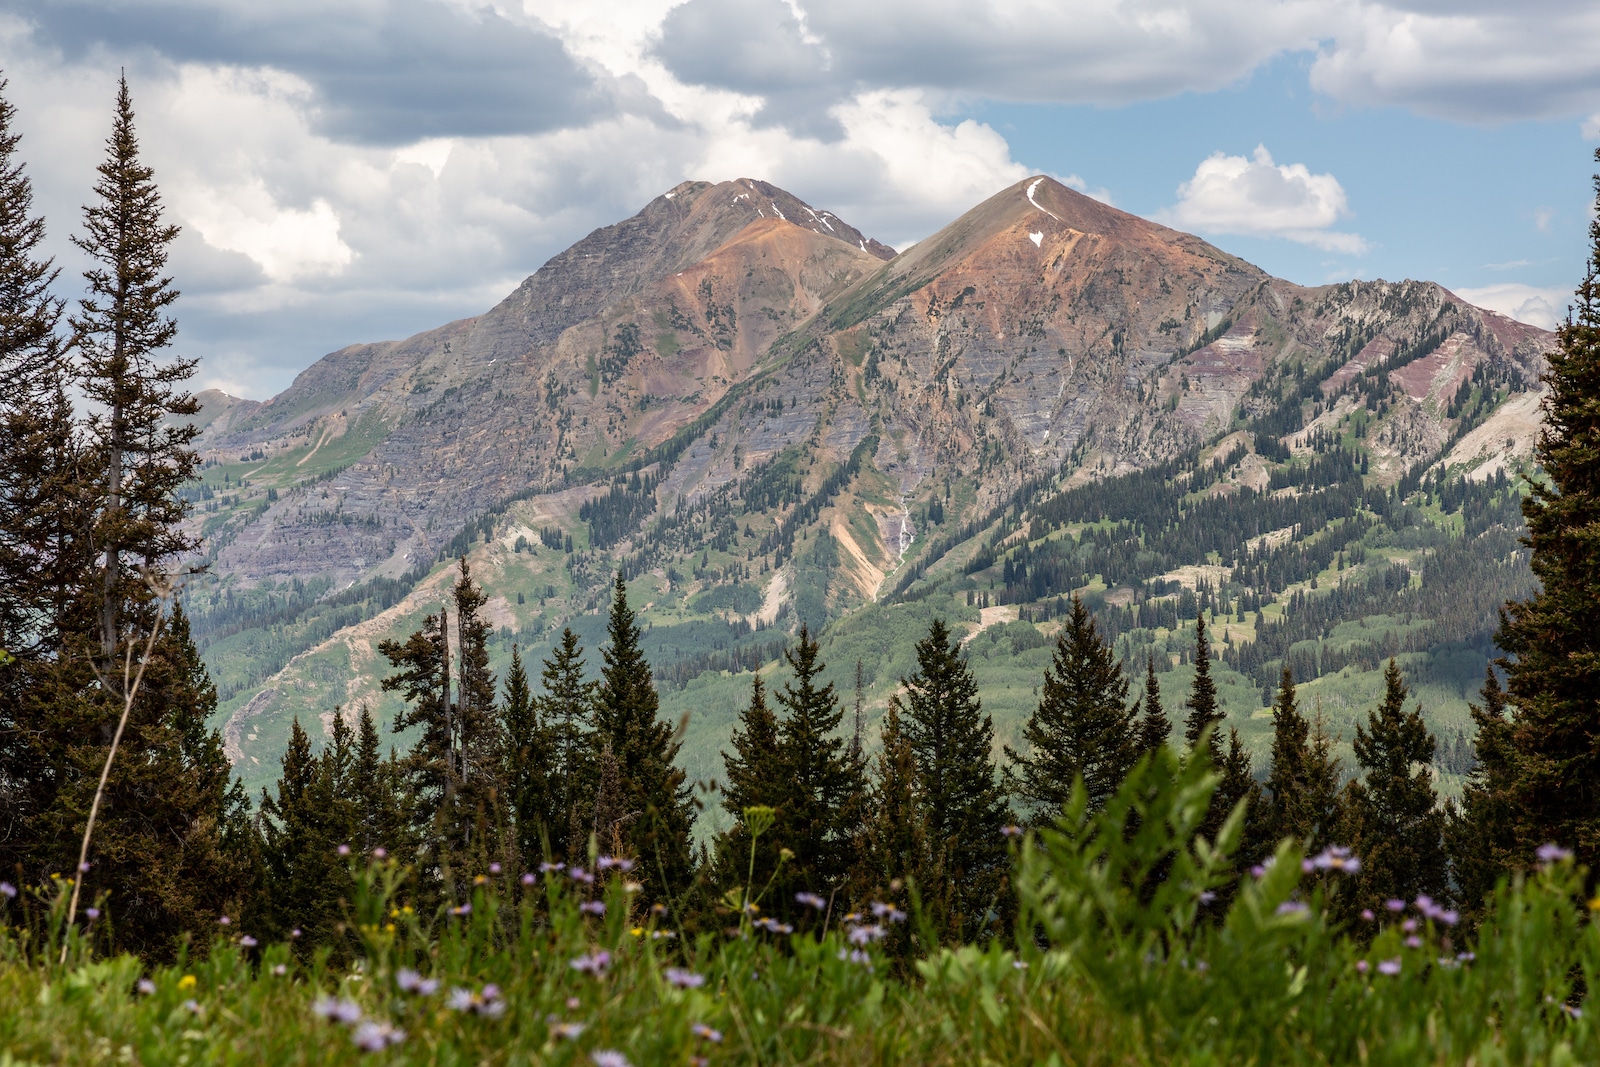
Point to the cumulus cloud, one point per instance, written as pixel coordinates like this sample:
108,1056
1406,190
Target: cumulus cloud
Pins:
352,169
1257,197
1469,61
1545,308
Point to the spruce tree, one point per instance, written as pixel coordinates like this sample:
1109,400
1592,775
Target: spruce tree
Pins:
36,434
121,329
894,853
1553,644
1394,814
657,813
1288,811
1154,728
963,806
372,787
427,772
305,876
1202,703
1482,832
1324,792
528,766
170,845
1082,727
820,785
755,773
1238,784
566,710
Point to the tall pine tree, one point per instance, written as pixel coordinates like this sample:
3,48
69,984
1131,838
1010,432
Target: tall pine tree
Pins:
528,765
566,711
962,804
821,784
1288,794
1394,813
755,779
1202,703
657,813
1553,666
1154,727
1483,831
1082,727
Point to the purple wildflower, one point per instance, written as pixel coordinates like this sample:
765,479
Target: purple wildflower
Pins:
375,1037
1206,896
462,909
1389,967
811,900
566,1031
294,935
337,1009
578,874
224,921
280,969
486,1003
146,986
494,868
1366,913
1335,858
1409,926
683,978
529,878
1293,907
865,935
344,850
888,911
552,868
8,890
621,863
410,981
605,1057
593,907
248,942
1553,853
1573,1012
1258,871
1395,905
378,853
705,1033
1011,831
1361,966
1466,957
1413,941
595,963
91,913
192,1007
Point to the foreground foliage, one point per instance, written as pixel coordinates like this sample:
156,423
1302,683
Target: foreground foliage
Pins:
1125,960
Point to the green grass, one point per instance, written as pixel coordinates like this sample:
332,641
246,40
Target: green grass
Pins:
1114,969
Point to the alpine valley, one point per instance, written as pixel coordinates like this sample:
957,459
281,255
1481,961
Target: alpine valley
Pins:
765,418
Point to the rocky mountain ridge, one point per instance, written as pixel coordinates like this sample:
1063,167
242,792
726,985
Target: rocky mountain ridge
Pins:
765,417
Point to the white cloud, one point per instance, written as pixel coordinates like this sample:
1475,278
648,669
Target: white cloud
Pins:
1259,198
1544,308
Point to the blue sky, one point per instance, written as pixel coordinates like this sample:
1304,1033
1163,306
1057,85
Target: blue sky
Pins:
1468,205
353,170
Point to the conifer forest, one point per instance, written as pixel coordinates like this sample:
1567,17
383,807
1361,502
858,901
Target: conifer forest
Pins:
1269,737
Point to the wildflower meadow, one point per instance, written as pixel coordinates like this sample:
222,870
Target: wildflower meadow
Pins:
1130,946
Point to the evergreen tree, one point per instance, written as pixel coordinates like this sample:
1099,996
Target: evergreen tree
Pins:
303,827
1398,826
566,710
372,787
1202,702
754,779
894,850
1154,728
121,327
427,772
36,432
1289,811
528,766
820,786
1082,727
962,804
1553,669
1324,801
171,844
657,812
1483,830
1239,784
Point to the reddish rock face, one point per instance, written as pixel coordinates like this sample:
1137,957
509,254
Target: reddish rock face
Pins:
725,323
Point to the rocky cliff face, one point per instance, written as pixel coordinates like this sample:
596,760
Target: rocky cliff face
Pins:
733,388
